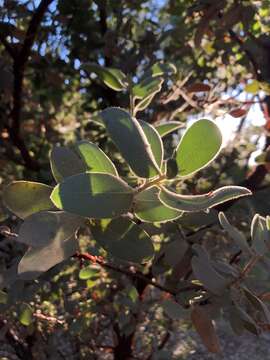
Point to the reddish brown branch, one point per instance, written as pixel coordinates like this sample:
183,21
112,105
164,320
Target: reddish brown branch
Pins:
133,274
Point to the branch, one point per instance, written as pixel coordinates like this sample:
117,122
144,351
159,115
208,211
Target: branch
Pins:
134,274
20,60
32,30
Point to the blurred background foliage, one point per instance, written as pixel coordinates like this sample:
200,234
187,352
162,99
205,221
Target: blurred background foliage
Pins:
221,49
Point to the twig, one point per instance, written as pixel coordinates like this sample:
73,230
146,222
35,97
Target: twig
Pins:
133,274
50,319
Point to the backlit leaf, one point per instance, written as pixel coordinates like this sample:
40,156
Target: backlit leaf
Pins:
149,208
154,140
201,202
93,195
111,77
89,272
24,198
26,315
199,145
129,137
168,127
147,87
260,235
65,163
161,68
252,87
94,158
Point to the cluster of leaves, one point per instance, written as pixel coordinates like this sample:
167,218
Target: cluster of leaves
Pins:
91,194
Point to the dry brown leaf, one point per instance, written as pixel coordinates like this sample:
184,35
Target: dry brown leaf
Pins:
205,328
239,112
198,87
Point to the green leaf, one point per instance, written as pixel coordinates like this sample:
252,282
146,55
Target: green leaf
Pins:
111,77
224,269
235,321
168,127
154,140
171,168
235,234
144,103
89,272
38,260
94,158
258,304
129,137
147,87
173,310
48,227
26,315
199,145
201,202
149,208
3,297
260,235
161,68
24,198
247,321
174,251
205,272
65,163
125,240
93,195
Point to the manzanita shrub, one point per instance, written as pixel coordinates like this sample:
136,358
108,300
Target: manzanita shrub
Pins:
90,193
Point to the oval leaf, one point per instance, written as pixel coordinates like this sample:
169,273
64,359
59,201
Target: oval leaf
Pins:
160,68
129,137
147,87
260,235
94,158
111,77
38,260
201,202
125,240
154,140
168,127
258,304
93,195
48,227
205,328
149,208
24,198
26,315
235,234
173,310
64,163
206,274
199,145
89,272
